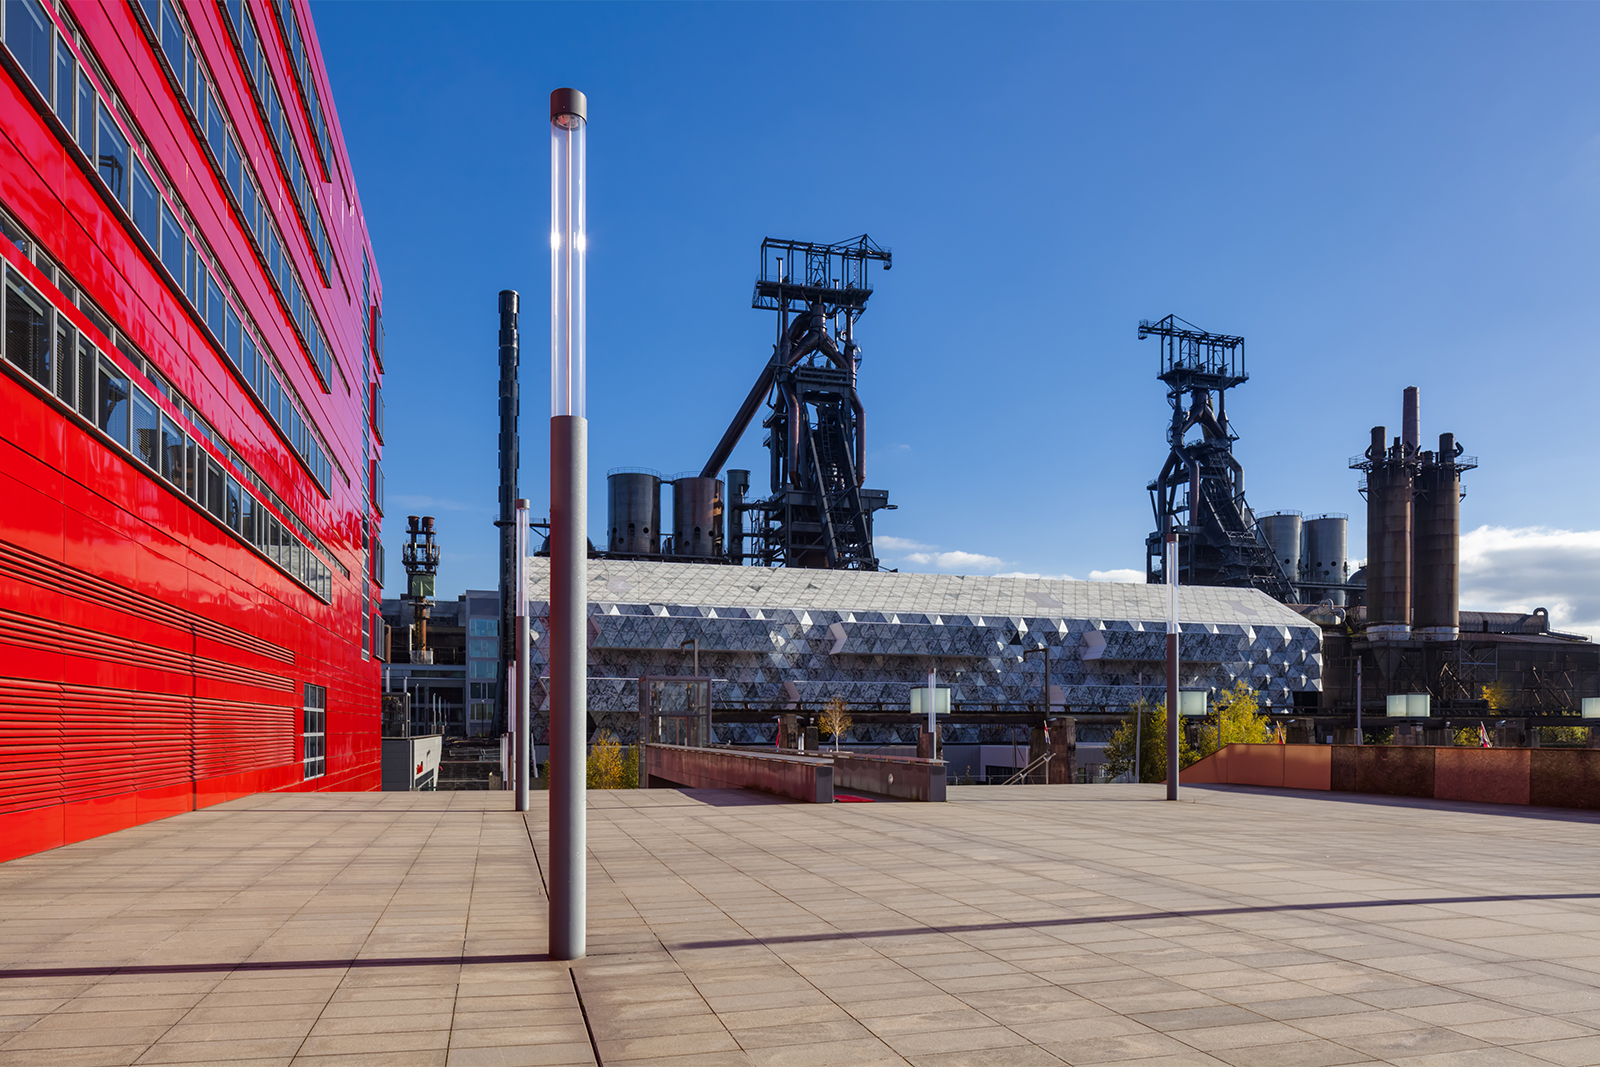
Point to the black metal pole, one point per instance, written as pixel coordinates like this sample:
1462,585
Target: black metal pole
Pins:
510,409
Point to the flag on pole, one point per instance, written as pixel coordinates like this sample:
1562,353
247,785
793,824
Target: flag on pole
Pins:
1483,737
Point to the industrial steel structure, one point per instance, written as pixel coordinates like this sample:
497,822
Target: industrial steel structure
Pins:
819,512
189,456
1413,531
421,561
1200,489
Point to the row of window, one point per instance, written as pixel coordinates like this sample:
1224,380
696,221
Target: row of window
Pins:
255,61
290,22
94,125
173,38
71,294
46,346
314,731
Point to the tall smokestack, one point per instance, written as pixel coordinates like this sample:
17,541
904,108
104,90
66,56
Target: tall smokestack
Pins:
1411,423
510,445
1437,614
1391,475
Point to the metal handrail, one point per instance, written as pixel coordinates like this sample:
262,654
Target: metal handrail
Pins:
1015,778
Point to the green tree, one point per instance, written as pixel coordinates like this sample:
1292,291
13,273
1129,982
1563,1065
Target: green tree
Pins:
1147,724
1236,719
1498,694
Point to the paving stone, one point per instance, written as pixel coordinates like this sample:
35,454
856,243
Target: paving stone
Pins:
1013,925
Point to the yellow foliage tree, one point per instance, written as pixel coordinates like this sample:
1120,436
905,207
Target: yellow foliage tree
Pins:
1236,719
1498,694
1145,731
610,766
835,719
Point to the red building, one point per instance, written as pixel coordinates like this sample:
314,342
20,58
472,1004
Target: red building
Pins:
190,418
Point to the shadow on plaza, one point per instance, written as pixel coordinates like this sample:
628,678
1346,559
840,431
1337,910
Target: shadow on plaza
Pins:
782,939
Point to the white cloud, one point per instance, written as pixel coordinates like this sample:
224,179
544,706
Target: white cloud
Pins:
1522,568
899,544
1120,574
956,561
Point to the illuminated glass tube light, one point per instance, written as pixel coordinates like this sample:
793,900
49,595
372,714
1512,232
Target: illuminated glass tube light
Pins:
568,250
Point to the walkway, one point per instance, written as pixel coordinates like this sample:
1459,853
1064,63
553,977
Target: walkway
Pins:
1012,926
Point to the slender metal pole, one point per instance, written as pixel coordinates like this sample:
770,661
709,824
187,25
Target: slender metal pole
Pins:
524,716
1358,699
1138,739
933,707
569,557
1173,711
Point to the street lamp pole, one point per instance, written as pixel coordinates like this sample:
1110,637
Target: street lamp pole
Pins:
569,558
1173,711
522,718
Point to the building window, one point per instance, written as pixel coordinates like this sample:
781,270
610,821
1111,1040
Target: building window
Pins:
483,628
480,713
315,734
482,690
28,36
28,329
483,648
483,668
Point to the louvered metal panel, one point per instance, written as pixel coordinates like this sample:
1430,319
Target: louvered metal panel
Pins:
30,755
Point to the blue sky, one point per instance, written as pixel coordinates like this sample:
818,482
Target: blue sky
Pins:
1373,195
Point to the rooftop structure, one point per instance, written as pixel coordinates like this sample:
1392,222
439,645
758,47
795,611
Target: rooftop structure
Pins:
787,636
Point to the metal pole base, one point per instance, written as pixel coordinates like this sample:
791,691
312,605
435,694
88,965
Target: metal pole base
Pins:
1174,725
569,673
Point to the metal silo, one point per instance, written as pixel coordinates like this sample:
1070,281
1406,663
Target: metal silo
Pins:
633,511
1280,531
697,517
1326,559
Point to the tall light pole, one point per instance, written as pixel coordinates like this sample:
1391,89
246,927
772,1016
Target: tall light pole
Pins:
569,558
1173,711
523,676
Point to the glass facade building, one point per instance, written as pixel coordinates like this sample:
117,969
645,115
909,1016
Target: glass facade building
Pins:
191,359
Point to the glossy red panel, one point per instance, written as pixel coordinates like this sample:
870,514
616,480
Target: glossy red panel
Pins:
151,661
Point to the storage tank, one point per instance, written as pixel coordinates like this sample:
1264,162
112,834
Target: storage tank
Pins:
1327,559
633,511
1436,613
697,517
1280,531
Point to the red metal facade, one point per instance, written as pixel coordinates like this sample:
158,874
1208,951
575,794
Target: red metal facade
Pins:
156,645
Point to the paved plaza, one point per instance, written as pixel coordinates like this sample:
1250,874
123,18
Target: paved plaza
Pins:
1012,926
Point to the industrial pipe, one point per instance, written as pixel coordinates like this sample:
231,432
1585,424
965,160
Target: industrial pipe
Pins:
510,462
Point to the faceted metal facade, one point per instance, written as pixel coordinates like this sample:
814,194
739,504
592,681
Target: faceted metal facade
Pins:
773,636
